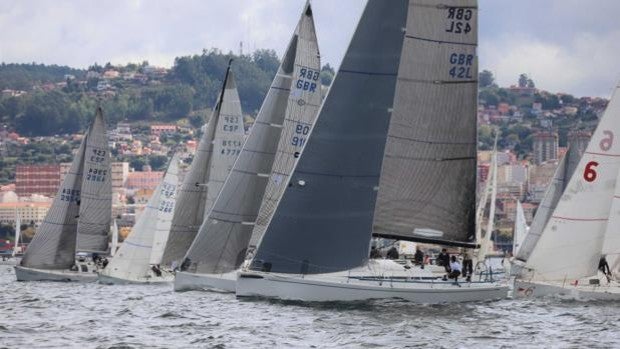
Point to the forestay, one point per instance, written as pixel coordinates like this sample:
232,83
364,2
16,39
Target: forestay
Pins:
218,148
96,196
279,134
428,179
53,245
133,259
571,243
323,222
550,200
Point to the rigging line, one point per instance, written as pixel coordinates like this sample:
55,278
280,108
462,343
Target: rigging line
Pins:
440,41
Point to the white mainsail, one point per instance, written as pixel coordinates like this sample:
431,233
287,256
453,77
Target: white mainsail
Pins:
572,241
217,151
133,259
520,229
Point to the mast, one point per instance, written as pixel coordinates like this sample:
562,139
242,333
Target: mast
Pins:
18,227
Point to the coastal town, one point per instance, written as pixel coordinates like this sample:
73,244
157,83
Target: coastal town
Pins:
536,128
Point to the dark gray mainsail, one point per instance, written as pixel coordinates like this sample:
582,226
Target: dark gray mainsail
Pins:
428,179
324,220
53,246
217,150
95,214
554,192
267,158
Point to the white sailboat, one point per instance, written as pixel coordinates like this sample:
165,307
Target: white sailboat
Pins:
262,172
138,258
79,218
217,151
114,239
392,154
583,226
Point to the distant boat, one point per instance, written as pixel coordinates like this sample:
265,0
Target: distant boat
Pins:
393,152
583,227
18,227
520,229
79,218
262,172
217,151
139,257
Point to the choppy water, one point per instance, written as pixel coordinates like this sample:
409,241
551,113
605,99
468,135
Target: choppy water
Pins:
60,315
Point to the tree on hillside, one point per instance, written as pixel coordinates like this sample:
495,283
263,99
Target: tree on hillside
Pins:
327,75
486,79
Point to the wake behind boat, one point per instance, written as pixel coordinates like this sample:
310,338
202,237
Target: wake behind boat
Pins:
392,155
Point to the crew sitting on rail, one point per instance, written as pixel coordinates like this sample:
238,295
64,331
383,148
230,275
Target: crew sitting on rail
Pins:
455,268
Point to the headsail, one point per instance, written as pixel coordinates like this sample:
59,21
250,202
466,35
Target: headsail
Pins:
267,159
428,179
216,153
167,201
323,222
135,254
558,184
53,246
520,229
114,238
572,240
96,195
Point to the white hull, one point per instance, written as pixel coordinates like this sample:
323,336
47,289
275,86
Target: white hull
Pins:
31,274
185,281
111,280
532,289
333,287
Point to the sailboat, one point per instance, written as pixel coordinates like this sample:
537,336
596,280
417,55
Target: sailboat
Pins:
138,258
520,229
217,151
559,182
18,228
263,169
583,227
392,154
79,218
486,245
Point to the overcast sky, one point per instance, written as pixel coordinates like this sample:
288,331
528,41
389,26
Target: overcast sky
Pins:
563,45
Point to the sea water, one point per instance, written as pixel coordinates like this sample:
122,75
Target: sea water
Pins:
71,315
